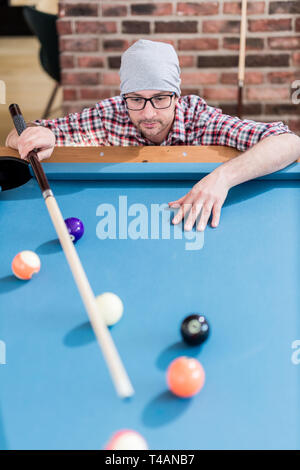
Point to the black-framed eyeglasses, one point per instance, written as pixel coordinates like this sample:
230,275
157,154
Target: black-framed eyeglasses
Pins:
137,103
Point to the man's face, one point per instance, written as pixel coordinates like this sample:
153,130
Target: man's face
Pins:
153,123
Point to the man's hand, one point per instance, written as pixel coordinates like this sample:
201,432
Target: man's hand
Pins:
207,196
33,137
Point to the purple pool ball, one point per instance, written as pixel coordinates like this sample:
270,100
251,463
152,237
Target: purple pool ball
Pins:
75,228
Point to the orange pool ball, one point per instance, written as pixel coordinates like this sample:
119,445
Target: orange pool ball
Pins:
25,264
185,377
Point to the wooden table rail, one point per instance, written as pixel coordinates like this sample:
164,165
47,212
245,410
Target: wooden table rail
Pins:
135,154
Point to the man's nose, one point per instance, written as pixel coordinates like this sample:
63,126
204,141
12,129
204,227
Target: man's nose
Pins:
149,111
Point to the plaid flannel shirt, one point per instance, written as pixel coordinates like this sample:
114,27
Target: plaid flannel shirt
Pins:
195,123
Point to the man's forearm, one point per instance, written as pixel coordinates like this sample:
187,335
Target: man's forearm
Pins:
269,155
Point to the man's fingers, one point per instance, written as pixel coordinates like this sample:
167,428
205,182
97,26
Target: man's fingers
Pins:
44,154
23,153
178,202
204,199
205,214
25,149
194,213
184,209
216,215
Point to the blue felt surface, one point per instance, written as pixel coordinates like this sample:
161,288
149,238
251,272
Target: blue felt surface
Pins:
55,389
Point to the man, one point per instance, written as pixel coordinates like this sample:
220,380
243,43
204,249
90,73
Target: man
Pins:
150,111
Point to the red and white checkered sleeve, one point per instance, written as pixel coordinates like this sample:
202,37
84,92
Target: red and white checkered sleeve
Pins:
77,129
220,129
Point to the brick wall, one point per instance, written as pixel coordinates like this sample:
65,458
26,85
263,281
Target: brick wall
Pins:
205,34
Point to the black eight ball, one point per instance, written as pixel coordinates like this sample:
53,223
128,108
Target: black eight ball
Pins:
194,329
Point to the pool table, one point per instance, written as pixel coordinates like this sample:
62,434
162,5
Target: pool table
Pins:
56,391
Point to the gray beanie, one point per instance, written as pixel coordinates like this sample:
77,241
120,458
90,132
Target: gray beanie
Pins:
149,65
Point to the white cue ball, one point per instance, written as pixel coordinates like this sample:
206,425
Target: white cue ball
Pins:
110,307
127,440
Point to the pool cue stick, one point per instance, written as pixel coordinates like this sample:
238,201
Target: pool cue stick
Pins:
242,53
118,373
